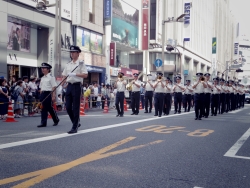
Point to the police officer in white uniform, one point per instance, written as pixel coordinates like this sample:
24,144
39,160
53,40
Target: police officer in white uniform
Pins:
215,97
199,87
149,92
231,95
135,95
47,84
223,91
188,96
74,80
120,85
159,86
168,97
178,89
207,95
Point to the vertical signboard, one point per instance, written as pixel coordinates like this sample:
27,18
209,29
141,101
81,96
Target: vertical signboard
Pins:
77,12
107,12
236,47
159,18
187,28
145,6
214,58
112,53
214,44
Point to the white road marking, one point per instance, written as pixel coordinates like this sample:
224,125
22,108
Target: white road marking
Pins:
17,134
42,139
236,111
235,148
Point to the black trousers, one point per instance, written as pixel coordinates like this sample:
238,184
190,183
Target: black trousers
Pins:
231,101
148,99
177,102
167,103
135,101
207,102
222,102
73,96
119,103
198,103
158,99
47,107
227,102
240,101
214,103
187,102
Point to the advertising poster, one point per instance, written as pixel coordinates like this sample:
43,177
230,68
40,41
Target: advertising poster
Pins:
125,24
96,43
83,39
18,35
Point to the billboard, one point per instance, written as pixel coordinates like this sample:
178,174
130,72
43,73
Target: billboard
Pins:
107,12
18,35
125,21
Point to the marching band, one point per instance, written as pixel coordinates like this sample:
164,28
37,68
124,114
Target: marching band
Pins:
217,97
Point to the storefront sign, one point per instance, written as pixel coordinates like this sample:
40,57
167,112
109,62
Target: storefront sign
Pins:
112,53
145,24
65,9
125,19
94,69
76,12
236,48
187,28
107,12
128,72
114,71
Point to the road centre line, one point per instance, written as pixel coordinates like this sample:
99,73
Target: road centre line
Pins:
235,148
64,135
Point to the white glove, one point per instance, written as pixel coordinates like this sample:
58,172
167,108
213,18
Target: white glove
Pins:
72,74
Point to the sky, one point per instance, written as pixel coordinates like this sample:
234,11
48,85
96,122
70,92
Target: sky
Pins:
240,11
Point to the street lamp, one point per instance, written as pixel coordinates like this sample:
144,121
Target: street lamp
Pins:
170,20
42,5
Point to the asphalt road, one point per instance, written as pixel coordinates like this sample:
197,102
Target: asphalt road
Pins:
173,151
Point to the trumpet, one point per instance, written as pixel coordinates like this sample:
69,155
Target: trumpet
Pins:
202,78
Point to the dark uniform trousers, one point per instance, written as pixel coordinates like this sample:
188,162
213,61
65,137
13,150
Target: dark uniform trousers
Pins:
231,101
177,101
243,100
227,102
222,102
158,99
73,96
119,102
198,101
240,101
148,99
167,103
187,102
214,103
47,107
135,101
237,100
207,102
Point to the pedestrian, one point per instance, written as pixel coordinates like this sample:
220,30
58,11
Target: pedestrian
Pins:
159,87
74,80
215,97
18,104
32,94
99,100
178,88
96,92
135,94
120,85
167,97
149,92
207,95
4,98
47,85
199,87
188,96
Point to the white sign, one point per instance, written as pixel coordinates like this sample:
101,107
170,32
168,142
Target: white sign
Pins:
65,9
114,71
159,22
76,12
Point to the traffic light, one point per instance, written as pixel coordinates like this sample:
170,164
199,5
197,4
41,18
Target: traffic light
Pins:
239,70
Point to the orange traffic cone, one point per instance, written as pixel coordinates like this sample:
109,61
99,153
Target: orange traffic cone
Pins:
141,106
125,105
106,108
82,113
86,106
10,116
49,116
54,106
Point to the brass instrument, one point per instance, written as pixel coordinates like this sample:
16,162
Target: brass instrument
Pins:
129,85
202,78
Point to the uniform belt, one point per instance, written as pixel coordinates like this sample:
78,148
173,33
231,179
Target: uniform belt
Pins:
45,91
159,93
187,94
215,93
149,91
120,91
198,93
178,92
135,91
76,83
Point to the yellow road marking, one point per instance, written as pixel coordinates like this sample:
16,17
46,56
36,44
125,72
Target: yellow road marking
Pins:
41,175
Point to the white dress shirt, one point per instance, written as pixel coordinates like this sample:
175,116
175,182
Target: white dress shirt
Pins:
207,89
159,88
47,83
33,87
187,90
82,69
177,89
134,87
170,90
121,85
215,90
148,87
231,90
199,88
223,88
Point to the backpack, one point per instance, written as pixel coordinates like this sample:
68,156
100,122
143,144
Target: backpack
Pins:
14,95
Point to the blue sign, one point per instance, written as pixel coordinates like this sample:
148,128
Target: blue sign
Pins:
185,72
187,8
107,12
158,63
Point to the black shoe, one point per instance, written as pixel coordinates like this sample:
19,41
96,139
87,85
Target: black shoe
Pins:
167,114
195,118
159,116
164,114
185,110
179,112
39,126
121,115
200,119
117,115
55,124
206,116
212,114
146,112
72,131
215,114
150,111
156,115
79,125
136,113
188,111
133,114
175,112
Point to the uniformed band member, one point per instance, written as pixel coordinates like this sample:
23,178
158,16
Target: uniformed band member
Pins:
135,95
74,80
149,90
177,89
120,85
187,96
231,95
215,97
159,94
47,84
199,87
222,96
168,97
227,97
207,95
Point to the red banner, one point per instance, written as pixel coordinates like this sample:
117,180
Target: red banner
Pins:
112,52
128,72
145,24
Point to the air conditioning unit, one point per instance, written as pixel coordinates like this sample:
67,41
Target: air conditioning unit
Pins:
91,17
